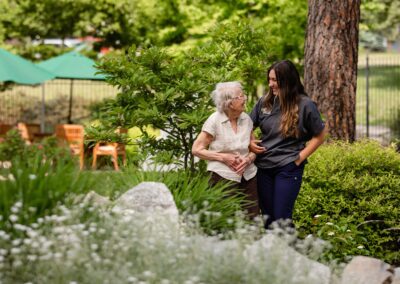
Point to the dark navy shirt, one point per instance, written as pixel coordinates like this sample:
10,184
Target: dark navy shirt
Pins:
282,151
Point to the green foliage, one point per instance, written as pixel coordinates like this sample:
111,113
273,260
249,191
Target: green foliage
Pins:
214,207
36,19
176,23
15,148
40,52
171,92
101,134
98,133
381,17
350,196
119,23
33,186
35,178
13,145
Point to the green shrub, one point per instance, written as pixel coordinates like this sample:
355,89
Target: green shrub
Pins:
15,148
350,196
13,145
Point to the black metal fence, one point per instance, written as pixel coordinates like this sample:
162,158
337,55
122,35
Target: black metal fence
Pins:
378,97
56,101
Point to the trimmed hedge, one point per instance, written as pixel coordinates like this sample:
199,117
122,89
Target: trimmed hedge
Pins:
351,197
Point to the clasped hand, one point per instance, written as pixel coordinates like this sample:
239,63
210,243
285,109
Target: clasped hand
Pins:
236,162
239,163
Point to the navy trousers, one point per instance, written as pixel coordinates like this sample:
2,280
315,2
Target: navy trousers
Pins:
277,191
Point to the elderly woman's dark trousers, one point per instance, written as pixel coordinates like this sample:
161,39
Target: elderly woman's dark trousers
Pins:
277,191
246,187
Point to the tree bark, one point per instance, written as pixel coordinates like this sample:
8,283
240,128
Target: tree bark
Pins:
330,67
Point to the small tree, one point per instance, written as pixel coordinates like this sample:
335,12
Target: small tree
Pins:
171,93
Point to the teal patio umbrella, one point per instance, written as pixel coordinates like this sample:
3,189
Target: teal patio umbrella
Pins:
73,66
14,68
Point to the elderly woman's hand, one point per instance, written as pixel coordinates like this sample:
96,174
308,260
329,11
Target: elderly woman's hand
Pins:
255,148
245,162
232,160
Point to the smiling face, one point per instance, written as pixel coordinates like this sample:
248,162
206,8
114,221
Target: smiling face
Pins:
273,82
238,102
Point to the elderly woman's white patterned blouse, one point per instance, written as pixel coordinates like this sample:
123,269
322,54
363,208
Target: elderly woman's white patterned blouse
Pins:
227,141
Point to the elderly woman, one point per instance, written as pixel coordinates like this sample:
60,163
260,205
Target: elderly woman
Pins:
224,142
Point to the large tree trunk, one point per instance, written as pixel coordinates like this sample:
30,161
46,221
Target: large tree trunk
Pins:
330,68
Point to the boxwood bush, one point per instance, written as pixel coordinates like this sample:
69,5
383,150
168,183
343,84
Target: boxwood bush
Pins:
351,197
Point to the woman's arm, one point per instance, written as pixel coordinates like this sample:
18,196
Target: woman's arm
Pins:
254,147
251,156
311,146
200,149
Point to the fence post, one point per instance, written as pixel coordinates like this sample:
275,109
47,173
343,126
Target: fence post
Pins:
367,92
43,110
71,90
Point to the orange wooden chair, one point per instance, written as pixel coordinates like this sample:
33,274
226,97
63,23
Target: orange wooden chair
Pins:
4,128
28,131
112,149
73,136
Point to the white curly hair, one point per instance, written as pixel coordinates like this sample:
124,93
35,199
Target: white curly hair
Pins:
224,93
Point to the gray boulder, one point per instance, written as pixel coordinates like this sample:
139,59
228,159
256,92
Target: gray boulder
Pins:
301,269
96,199
151,200
367,270
396,279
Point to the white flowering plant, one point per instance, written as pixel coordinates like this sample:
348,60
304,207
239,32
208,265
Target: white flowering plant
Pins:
69,247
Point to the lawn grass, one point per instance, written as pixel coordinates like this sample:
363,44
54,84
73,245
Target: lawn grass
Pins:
384,89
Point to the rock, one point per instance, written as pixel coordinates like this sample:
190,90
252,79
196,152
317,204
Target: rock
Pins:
300,268
96,199
367,270
152,199
396,278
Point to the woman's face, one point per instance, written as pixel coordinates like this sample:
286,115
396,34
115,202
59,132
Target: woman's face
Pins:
239,102
273,83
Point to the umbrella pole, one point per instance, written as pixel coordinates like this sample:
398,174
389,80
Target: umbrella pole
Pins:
70,101
43,113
